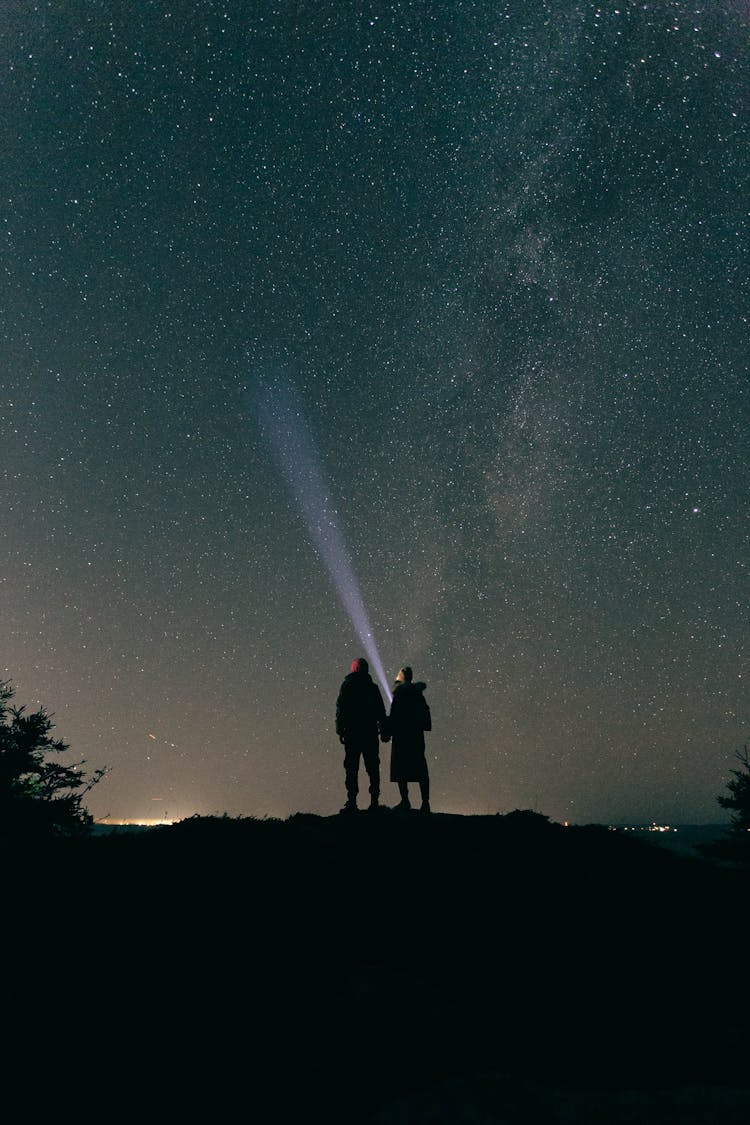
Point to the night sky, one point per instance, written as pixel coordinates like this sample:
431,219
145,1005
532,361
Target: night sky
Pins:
496,252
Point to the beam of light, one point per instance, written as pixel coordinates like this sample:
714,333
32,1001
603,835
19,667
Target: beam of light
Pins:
282,420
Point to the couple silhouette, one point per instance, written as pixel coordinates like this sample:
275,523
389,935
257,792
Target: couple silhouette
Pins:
362,723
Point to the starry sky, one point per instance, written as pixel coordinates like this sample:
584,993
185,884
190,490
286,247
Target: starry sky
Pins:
498,250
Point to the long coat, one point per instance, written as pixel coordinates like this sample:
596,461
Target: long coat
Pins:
409,719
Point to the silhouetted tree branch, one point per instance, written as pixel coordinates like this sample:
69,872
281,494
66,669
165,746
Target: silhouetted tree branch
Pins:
739,789
37,795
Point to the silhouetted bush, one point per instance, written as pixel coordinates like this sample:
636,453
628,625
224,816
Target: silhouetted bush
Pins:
38,796
739,799
735,846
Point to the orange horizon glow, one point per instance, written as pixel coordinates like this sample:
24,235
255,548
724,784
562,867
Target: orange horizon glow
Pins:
145,822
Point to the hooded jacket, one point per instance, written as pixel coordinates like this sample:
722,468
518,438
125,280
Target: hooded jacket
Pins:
409,719
410,713
360,711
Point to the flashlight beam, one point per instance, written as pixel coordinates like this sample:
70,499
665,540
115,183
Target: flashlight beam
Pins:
282,420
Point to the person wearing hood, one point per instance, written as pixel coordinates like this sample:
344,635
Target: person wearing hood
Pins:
409,719
361,723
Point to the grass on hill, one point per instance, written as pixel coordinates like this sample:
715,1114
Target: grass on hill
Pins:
377,969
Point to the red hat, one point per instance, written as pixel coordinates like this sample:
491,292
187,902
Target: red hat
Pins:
360,665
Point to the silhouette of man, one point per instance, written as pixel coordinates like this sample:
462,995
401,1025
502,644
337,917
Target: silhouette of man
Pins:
361,722
409,719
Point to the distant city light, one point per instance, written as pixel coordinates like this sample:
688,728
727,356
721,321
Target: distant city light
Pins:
653,827
145,822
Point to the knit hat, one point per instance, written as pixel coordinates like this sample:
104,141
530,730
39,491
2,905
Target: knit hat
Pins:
360,665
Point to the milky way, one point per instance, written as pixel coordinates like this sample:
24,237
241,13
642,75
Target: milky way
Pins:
502,250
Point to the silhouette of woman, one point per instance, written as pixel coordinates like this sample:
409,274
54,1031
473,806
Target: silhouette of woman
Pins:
409,719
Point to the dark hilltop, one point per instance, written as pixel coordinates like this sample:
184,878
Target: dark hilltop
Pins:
376,969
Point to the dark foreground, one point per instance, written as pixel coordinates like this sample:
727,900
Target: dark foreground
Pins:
384,970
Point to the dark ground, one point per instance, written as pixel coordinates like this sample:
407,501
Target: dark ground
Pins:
497,969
